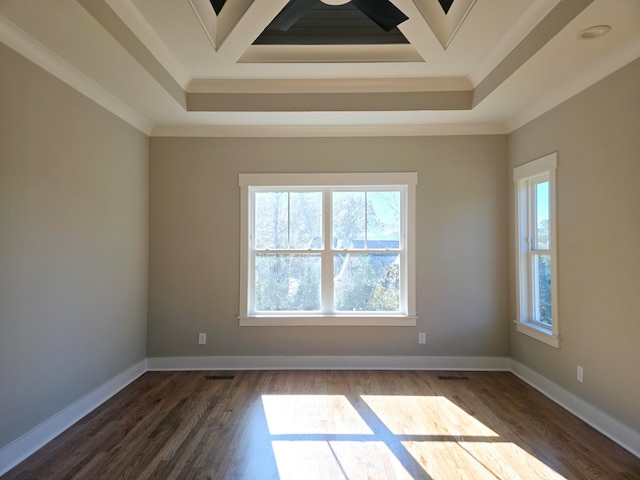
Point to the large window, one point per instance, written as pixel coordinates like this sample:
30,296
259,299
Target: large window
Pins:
327,249
536,249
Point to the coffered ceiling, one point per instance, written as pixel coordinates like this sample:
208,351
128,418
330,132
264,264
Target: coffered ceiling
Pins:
202,67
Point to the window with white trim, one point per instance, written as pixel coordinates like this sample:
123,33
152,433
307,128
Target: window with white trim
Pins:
327,249
536,249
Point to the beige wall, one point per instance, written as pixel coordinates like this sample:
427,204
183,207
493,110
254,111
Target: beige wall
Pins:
73,246
461,244
597,137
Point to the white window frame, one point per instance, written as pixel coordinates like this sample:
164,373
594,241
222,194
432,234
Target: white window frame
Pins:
405,181
526,177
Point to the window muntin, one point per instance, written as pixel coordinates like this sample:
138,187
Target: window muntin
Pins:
328,250
535,243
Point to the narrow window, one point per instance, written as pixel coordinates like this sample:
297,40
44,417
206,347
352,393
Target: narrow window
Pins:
536,249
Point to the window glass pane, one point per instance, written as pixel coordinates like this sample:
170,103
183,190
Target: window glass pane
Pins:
542,289
287,282
542,216
383,220
288,220
305,220
271,220
366,282
348,212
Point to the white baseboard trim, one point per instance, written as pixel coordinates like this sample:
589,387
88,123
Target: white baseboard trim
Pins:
310,362
14,453
18,450
624,436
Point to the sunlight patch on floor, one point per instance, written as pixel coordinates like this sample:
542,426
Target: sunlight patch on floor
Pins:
312,414
479,460
336,460
413,415
329,436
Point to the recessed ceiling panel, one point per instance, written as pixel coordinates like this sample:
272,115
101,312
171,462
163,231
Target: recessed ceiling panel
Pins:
217,5
445,4
325,24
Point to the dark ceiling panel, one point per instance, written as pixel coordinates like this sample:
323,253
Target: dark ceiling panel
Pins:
446,5
332,25
217,5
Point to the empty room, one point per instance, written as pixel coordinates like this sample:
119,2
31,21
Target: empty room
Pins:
320,239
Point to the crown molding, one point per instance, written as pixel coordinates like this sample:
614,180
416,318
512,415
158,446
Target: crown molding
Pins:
19,41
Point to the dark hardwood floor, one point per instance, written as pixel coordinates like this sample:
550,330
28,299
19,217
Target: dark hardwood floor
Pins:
329,425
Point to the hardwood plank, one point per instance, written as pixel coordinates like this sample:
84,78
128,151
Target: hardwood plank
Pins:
329,424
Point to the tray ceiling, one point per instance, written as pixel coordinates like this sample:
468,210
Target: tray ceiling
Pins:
216,67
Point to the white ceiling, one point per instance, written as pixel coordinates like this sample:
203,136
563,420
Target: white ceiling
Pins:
171,67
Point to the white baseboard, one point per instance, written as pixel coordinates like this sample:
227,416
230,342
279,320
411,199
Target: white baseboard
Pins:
309,362
12,454
18,450
624,436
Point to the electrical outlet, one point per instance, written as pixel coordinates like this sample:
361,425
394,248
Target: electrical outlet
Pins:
202,338
580,374
422,338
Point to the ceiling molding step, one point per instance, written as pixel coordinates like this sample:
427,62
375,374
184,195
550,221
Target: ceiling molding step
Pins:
581,82
444,25
329,102
329,85
207,18
518,31
337,131
242,24
391,53
559,17
232,14
34,51
104,14
136,22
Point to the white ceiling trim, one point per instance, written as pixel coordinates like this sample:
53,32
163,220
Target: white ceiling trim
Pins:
246,28
580,82
207,19
329,131
229,17
445,25
34,51
417,31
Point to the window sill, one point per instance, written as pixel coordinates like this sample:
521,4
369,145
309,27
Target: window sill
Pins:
328,321
538,332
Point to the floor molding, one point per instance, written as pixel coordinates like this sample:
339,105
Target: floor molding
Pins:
624,436
310,362
14,453
18,450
